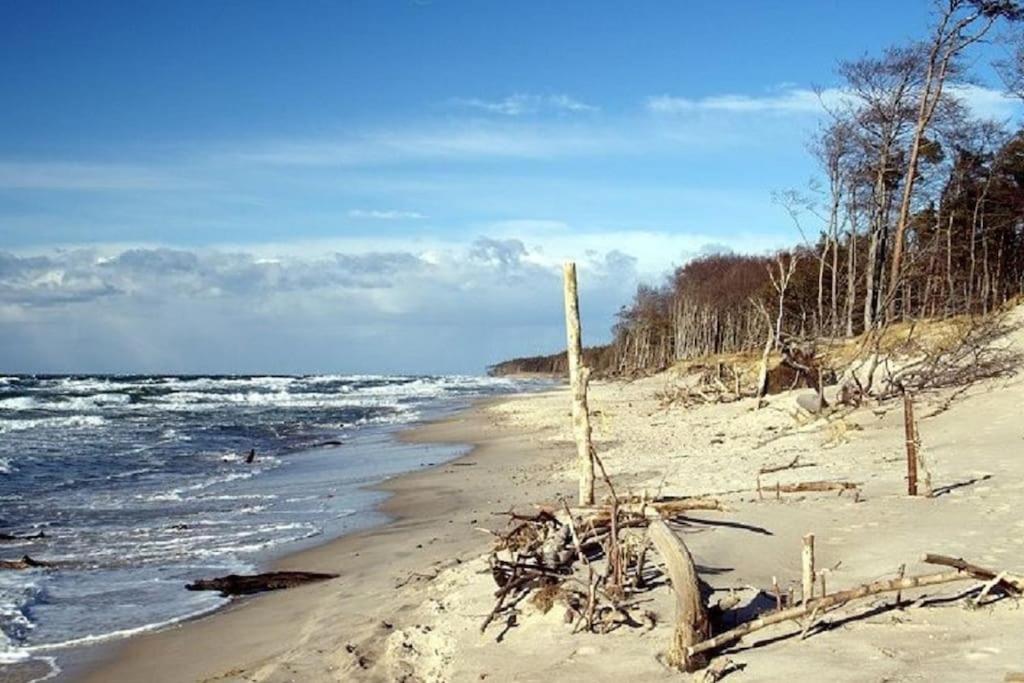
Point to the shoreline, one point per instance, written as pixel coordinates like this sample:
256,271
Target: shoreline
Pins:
431,514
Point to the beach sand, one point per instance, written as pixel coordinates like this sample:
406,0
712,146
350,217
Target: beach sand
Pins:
412,594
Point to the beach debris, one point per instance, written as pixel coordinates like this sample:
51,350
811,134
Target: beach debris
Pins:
719,669
791,465
247,584
579,378
692,622
807,567
545,552
915,459
815,607
26,562
808,487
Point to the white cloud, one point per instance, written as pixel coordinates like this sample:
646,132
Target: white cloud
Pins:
521,104
989,103
60,175
787,100
385,215
465,141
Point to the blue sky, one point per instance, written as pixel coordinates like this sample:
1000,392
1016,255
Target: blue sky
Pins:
389,186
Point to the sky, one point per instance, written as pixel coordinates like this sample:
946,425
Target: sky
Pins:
391,186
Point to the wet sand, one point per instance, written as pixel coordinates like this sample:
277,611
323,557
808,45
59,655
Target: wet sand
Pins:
297,634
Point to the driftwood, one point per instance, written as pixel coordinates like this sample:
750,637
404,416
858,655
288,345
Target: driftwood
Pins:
909,429
791,465
247,584
807,565
823,603
807,487
579,377
962,571
692,622
25,562
974,570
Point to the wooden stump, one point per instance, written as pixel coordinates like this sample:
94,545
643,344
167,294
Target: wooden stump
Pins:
911,443
692,623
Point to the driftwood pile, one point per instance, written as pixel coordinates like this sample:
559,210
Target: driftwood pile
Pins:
591,560
721,382
596,562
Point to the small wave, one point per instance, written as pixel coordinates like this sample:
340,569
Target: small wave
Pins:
73,422
121,633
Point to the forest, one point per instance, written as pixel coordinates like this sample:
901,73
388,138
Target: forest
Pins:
917,212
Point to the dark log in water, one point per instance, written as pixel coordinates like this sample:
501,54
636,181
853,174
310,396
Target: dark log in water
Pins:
25,562
5,537
247,584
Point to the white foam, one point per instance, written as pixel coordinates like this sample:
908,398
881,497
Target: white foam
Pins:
73,422
121,633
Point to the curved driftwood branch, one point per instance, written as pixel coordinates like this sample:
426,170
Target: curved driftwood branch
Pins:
692,622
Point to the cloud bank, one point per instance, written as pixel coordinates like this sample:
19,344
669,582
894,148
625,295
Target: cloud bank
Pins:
207,310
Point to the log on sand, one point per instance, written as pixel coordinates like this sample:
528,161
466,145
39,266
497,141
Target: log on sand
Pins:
692,622
962,571
974,570
247,584
25,562
821,604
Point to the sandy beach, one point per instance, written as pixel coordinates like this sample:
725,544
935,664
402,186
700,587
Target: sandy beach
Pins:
412,595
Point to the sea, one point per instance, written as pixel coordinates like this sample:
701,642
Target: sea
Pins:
134,486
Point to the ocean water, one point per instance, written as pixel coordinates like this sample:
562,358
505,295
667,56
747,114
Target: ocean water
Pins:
140,484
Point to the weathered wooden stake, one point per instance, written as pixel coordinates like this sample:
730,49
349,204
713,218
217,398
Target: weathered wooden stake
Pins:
911,441
579,377
692,623
808,568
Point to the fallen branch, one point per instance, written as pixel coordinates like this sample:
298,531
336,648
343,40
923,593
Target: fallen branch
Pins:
1016,582
792,465
824,603
805,486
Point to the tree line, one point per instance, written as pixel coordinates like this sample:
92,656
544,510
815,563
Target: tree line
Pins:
918,212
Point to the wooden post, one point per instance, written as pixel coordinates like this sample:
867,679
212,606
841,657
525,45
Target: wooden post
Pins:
579,378
692,623
808,568
911,442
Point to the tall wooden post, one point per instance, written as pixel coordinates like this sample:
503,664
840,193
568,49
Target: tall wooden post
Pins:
807,562
909,431
579,377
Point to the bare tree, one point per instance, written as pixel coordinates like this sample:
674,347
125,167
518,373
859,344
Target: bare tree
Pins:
880,104
959,24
